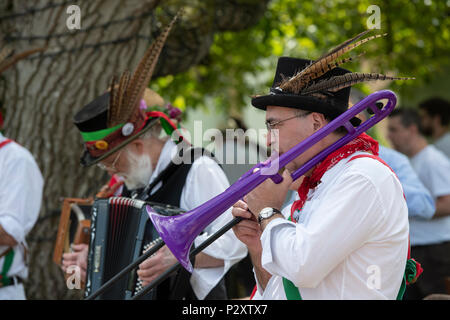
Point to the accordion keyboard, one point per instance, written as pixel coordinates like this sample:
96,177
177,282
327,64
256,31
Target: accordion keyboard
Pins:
139,285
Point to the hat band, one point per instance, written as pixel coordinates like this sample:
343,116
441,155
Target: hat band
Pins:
100,134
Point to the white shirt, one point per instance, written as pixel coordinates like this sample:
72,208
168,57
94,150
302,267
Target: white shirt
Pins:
21,186
433,169
351,239
443,144
204,181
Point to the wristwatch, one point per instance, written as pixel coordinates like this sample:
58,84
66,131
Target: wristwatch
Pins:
267,213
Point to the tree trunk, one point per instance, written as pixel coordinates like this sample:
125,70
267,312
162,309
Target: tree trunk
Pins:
42,93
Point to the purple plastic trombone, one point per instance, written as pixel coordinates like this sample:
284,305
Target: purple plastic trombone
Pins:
178,232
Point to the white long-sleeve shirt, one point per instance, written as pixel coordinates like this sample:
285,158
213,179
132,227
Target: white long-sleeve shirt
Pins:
351,239
204,181
21,186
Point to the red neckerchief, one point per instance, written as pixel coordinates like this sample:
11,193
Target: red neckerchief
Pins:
361,143
4,143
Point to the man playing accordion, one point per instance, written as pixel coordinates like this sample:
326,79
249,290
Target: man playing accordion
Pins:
121,130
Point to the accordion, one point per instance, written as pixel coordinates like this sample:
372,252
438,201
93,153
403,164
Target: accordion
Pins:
121,231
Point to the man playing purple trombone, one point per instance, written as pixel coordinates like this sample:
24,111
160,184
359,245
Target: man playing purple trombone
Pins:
347,235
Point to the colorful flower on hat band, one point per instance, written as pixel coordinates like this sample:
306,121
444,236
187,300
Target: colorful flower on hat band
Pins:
168,109
143,105
174,112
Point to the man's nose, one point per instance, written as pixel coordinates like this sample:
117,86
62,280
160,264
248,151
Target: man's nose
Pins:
272,138
268,139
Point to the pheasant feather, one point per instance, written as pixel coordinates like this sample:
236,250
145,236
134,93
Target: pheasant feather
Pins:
339,82
324,64
126,96
113,99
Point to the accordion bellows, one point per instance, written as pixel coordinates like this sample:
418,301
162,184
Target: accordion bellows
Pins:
120,232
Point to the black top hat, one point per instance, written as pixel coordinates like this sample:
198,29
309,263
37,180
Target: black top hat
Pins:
94,116
101,140
331,104
114,119
320,85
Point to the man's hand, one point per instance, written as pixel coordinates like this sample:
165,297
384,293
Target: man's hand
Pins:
248,230
442,207
6,239
268,194
78,257
154,266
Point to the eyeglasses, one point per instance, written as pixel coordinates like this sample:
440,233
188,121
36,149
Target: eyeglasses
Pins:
271,126
113,165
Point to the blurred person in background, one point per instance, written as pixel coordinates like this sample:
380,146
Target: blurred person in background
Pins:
21,186
430,238
435,120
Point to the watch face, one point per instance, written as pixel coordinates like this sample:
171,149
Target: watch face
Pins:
266,212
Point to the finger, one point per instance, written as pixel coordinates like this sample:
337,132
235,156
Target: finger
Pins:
147,281
241,204
66,259
247,233
145,274
248,224
151,261
83,264
295,185
287,178
79,247
67,262
238,212
70,256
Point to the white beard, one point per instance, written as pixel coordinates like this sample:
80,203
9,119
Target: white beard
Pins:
139,173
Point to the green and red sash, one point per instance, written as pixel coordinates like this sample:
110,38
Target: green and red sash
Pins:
362,143
413,269
7,263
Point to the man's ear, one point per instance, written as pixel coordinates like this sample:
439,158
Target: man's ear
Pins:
414,129
318,120
137,146
436,121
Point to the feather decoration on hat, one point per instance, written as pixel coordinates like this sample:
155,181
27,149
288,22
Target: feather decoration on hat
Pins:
128,90
303,81
339,82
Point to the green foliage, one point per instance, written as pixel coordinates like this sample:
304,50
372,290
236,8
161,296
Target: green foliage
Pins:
241,64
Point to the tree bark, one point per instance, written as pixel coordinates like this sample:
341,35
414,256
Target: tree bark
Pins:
42,93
